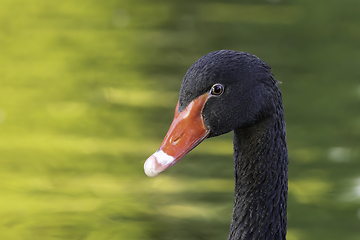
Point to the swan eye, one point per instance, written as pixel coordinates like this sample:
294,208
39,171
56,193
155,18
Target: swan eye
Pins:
217,89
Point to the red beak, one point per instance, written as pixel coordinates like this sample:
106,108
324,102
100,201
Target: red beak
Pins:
185,133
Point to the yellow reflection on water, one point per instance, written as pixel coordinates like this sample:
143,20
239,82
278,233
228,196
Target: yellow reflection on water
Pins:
309,190
210,211
143,98
167,184
66,109
69,143
293,234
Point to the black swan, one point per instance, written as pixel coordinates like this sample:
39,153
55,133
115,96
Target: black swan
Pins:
224,91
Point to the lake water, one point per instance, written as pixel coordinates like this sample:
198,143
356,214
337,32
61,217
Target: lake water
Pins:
88,91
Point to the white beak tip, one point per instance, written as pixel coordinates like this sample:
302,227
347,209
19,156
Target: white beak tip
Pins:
157,163
149,166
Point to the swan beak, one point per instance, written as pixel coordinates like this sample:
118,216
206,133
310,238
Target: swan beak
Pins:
185,133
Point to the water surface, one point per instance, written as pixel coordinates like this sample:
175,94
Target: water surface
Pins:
88,91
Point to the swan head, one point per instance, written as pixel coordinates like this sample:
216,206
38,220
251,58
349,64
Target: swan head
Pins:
222,91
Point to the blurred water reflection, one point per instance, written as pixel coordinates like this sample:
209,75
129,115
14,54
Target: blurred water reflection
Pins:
88,91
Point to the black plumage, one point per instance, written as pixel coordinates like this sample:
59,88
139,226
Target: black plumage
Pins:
251,106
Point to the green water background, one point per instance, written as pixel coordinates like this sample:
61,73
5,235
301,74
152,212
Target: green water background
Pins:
88,90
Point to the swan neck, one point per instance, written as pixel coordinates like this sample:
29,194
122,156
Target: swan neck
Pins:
260,158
